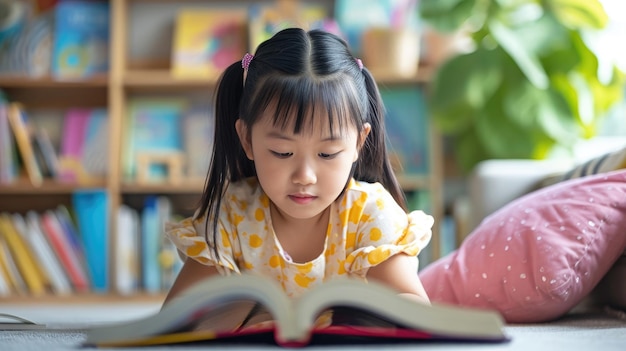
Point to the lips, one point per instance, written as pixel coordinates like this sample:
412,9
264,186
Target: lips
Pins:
302,199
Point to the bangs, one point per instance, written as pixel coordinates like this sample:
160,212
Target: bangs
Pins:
297,100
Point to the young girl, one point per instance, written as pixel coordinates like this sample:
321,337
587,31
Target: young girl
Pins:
300,188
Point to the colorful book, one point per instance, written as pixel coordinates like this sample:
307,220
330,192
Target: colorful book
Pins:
127,267
96,144
92,208
58,278
265,20
81,39
152,125
46,153
8,171
408,130
27,266
206,41
198,131
22,134
73,144
10,271
63,248
337,311
156,210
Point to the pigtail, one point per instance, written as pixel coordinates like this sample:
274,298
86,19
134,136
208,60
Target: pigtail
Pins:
228,161
375,148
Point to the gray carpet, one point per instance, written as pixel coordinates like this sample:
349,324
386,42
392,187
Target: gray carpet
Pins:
577,331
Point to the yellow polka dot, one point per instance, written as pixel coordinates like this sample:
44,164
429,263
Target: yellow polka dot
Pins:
196,249
249,265
225,239
255,240
380,204
305,268
265,201
330,250
275,261
350,240
342,268
377,256
302,280
355,213
237,219
343,218
259,215
203,260
375,234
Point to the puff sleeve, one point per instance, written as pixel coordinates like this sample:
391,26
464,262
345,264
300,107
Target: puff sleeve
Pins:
383,230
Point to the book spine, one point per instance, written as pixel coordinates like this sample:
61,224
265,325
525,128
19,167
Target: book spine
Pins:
150,242
9,269
22,137
91,208
127,251
28,268
58,278
64,251
7,160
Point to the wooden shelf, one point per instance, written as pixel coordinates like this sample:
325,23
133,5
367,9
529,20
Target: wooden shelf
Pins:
162,78
17,81
185,187
23,186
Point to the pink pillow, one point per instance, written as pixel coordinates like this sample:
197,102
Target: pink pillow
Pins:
538,256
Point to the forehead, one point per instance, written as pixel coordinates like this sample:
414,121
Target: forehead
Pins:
316,121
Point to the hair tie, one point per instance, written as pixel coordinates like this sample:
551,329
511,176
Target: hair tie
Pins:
245,61
359,63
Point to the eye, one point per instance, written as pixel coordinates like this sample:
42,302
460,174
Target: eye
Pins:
328,156
281,154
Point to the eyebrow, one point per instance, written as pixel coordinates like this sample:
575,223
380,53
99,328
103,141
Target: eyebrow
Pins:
277,135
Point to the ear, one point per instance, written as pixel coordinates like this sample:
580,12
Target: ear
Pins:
367,128
244,138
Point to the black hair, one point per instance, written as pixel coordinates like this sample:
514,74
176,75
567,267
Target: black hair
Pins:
296,72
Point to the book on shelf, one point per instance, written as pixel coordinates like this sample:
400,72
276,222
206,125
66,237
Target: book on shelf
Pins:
45,252
22,135
265,20
340,310
153,125
10,273
206,41
95,153
24,259
25,40
45,153
126,260
91,209
81,39
408,130
72,263
198,130
8,164
159,267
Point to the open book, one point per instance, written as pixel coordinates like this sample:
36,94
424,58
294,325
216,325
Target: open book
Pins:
360,311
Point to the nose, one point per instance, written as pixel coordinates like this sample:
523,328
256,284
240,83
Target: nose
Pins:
304,174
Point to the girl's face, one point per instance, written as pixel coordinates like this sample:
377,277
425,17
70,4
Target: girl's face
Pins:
302,173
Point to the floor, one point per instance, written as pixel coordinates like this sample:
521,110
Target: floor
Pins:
573,333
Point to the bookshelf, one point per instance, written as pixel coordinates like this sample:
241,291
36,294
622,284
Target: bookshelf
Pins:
135,75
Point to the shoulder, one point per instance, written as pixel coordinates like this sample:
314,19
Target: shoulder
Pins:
364,193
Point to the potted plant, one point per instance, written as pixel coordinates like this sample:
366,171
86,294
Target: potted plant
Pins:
531,81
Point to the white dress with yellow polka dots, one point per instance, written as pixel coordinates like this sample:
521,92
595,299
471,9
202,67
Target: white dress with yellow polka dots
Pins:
366,226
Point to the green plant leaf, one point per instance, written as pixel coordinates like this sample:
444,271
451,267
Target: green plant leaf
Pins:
579,14
527,62
446,15
555,119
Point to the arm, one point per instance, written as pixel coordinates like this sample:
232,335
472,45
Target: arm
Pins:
399,272
191,272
